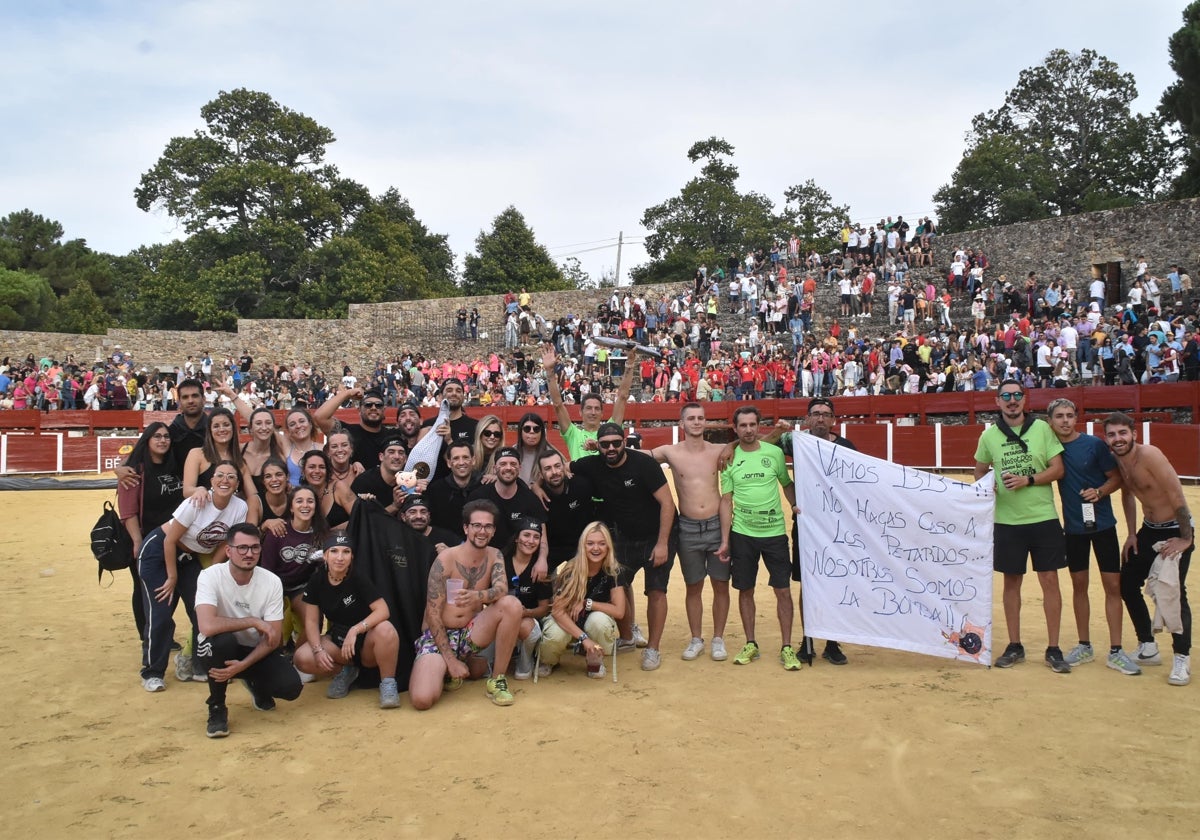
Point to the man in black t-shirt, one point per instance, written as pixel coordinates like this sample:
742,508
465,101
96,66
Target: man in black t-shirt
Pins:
637,506
571,507
515,500
447,496
381,481
460,428
415,512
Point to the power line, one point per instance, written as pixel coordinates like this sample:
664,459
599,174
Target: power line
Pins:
578,244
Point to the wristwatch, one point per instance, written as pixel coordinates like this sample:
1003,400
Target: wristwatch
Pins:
1031,482
587,605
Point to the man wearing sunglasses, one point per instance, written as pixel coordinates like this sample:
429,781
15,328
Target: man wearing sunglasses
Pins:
637,506
581,440
1027,459
368,435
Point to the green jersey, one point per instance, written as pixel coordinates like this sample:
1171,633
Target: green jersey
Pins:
754,479
1025,505
575,437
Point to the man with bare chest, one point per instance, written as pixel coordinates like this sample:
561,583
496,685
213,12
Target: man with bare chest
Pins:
467,608
693,463
1148,475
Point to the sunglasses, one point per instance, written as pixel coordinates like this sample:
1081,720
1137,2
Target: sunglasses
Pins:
610,444
372,405
1010,396
534,429
491,433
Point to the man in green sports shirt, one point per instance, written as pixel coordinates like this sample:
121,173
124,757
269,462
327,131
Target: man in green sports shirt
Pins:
754,525
581,440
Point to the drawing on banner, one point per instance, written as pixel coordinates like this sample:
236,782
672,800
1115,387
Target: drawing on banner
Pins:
893,556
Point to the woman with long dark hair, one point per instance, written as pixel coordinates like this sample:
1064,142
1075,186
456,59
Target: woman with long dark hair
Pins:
150,503
531,443
335,498
220,444
520,555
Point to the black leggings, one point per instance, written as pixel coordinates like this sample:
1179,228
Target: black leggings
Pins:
273,674
1133,576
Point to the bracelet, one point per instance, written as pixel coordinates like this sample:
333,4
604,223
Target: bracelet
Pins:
364,626
317,650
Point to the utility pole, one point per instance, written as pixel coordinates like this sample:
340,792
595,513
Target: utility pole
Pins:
620,239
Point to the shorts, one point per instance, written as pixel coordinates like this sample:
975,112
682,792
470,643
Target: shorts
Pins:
634,555
1104,543
1043,541
460,643
745,551
338,637
846,299
699,540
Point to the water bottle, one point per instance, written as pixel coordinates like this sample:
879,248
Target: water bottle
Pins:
1089,517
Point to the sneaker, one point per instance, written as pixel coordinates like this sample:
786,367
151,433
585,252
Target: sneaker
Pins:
807,653
749,654
788,657
1147,654
1055,661
717,650
638,639
694,649
544,671
1120,661
389,694
339,686
1181,673
650,659
598,673
450,683
261,702
1014,653
833,654
199,676
305,679
497,689
153,684
1081,654
183,668
523,669
218,721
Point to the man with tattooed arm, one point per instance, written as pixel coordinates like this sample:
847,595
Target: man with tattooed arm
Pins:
467,608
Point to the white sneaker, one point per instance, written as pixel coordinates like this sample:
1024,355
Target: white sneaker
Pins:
155,684
1147,654
694,649
305,679
638,639
717,651
1181,674
650,659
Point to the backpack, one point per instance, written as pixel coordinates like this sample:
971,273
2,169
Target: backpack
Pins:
111,544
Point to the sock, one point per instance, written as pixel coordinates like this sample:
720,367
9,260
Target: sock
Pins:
1085,643
1114,649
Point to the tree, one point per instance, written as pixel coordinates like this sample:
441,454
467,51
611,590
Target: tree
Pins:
809,212
573,271
1180,103
707,221
80,311
1064,141
25,300
510,258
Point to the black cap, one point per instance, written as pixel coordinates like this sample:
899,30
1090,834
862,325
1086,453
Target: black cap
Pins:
528,523
373,392
338,538
413,404
412,501
395,440
610,429
508,452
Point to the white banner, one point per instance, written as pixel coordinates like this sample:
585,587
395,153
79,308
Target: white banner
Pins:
892,556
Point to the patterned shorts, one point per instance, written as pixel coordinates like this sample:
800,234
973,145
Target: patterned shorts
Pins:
459,638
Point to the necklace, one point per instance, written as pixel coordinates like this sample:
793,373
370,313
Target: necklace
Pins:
341,476
333,582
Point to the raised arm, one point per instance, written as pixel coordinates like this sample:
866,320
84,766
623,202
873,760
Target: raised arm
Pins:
549,360
618,415
323,417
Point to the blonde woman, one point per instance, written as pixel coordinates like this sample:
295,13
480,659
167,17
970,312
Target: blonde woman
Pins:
489,437
587,604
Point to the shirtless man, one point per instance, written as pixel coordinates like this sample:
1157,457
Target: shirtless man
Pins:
693,463
1149,476
458,627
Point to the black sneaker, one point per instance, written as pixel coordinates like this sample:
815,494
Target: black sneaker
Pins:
833,654
1014,653
218,721
1055,661
261,702
806,654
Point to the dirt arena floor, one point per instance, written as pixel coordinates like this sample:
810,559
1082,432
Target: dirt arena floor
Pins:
894,745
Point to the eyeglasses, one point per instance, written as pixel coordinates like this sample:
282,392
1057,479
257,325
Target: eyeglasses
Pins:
246,549
1010,396
610,444
372,405
532,429
491,433
481,526
160,436
820,414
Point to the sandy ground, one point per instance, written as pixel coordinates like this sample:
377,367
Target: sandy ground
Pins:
894,745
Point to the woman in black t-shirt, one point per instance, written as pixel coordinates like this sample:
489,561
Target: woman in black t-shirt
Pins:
150,503
519,557
587,603
360,633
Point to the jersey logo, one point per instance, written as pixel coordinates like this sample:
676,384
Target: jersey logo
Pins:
348,600
629,482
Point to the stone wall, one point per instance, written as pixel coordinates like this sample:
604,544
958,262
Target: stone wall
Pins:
1070,246
370,331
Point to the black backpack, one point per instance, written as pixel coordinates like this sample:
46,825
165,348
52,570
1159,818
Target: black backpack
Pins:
111,544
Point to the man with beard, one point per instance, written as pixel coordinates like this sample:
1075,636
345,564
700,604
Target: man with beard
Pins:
637,506
381,482
408,423
187,430
369,435
514,500
415,513
1027,458
459,428
1149,476
570,508
447,496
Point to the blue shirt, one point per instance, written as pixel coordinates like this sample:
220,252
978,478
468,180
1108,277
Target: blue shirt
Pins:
1086,461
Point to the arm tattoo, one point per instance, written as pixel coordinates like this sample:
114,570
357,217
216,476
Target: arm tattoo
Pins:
499,584
1184,517
435,601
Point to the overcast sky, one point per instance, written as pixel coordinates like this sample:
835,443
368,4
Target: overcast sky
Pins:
580,115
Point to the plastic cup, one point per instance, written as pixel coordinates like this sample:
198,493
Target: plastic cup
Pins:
453,585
